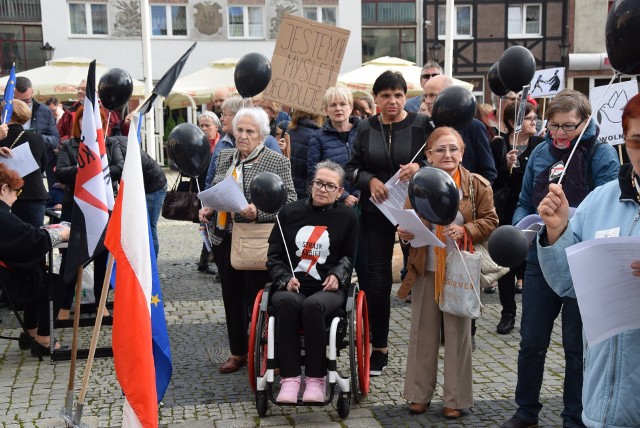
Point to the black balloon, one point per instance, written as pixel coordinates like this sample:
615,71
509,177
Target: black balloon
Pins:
455,107
508,246
622,36
516,67
252,74
495,84
434,195
189,149
115,88
268,192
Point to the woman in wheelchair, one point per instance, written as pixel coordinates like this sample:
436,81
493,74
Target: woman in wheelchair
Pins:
23,248
320,235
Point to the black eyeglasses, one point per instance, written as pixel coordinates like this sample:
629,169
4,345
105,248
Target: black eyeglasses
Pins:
565,128
429,76
329,187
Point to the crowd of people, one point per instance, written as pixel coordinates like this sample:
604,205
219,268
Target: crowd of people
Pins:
335,166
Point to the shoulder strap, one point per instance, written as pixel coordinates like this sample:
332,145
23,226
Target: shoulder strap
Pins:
472,196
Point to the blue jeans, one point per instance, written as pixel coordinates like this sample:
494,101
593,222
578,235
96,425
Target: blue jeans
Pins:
540,307
154,207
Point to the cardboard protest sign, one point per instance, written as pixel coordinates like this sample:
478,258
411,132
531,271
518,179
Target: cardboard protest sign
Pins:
609,113
306,61
547,82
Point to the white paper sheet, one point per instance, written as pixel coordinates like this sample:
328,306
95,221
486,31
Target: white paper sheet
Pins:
409,220
224,196
608,294
398,191
21,160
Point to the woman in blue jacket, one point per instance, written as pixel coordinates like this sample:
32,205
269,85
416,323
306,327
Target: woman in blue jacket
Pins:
335,140
611,376
593,164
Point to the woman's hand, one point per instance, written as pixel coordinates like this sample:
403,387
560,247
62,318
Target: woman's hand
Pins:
350,200
5,151
407,171
64,233
554,211
293,285
405,235
4,130
378,190
636,268
331,283
282,143
205,214
250,212
512,158
454,232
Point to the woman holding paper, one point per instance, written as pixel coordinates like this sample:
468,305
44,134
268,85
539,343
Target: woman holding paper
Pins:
425,278
611,376
243,163
385,144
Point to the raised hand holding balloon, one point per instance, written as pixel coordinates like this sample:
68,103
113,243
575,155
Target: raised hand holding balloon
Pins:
252,74
269,194
189,149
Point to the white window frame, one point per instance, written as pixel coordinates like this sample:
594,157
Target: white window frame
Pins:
87,19
169,20
442,12
523,21
319,12
245,23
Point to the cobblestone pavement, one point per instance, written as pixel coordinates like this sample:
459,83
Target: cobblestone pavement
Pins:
32,392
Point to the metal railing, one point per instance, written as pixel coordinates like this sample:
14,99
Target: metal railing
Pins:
20,10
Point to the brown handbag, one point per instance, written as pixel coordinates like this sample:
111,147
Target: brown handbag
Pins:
249,245
180,204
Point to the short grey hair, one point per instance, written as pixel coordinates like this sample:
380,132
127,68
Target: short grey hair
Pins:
331,166
235,103
255,114
212,117
432,64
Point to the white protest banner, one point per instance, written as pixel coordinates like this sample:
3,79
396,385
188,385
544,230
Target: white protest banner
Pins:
609,113
547,82
306,61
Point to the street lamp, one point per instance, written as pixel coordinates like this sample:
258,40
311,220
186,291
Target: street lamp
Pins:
435,52
47,52
564,51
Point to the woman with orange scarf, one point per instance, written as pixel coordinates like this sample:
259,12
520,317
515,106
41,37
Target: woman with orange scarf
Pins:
427,268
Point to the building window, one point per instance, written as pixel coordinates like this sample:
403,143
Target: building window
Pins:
524,20
246,22
395,42
20,44
386,12
324,14
168,20
88,18
462,22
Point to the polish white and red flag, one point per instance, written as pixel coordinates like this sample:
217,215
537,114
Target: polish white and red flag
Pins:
93,191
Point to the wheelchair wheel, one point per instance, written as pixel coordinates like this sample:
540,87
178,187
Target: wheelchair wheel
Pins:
359,347
257,355
344,405
262,403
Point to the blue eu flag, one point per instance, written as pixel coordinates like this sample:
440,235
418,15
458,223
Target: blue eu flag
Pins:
8,95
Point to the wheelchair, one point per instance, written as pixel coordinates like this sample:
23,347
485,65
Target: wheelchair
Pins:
348,345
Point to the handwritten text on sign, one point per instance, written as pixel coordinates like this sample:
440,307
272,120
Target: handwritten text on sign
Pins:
305,62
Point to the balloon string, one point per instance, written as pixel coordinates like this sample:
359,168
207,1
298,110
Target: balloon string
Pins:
106,131
414,157
285,245
616,74
499,115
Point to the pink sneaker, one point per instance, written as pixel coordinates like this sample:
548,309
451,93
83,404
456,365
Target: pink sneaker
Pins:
289,389
314,388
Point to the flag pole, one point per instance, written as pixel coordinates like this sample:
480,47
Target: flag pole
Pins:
94,340
68,404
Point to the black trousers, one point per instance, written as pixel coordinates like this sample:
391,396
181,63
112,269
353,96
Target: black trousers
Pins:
507,288
295,311
239,290
377,236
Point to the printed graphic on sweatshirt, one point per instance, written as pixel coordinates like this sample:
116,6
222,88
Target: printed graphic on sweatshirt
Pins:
313,249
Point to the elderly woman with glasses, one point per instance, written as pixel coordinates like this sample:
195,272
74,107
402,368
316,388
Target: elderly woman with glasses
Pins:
611,372
593,164
426,277
321,235
239,287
